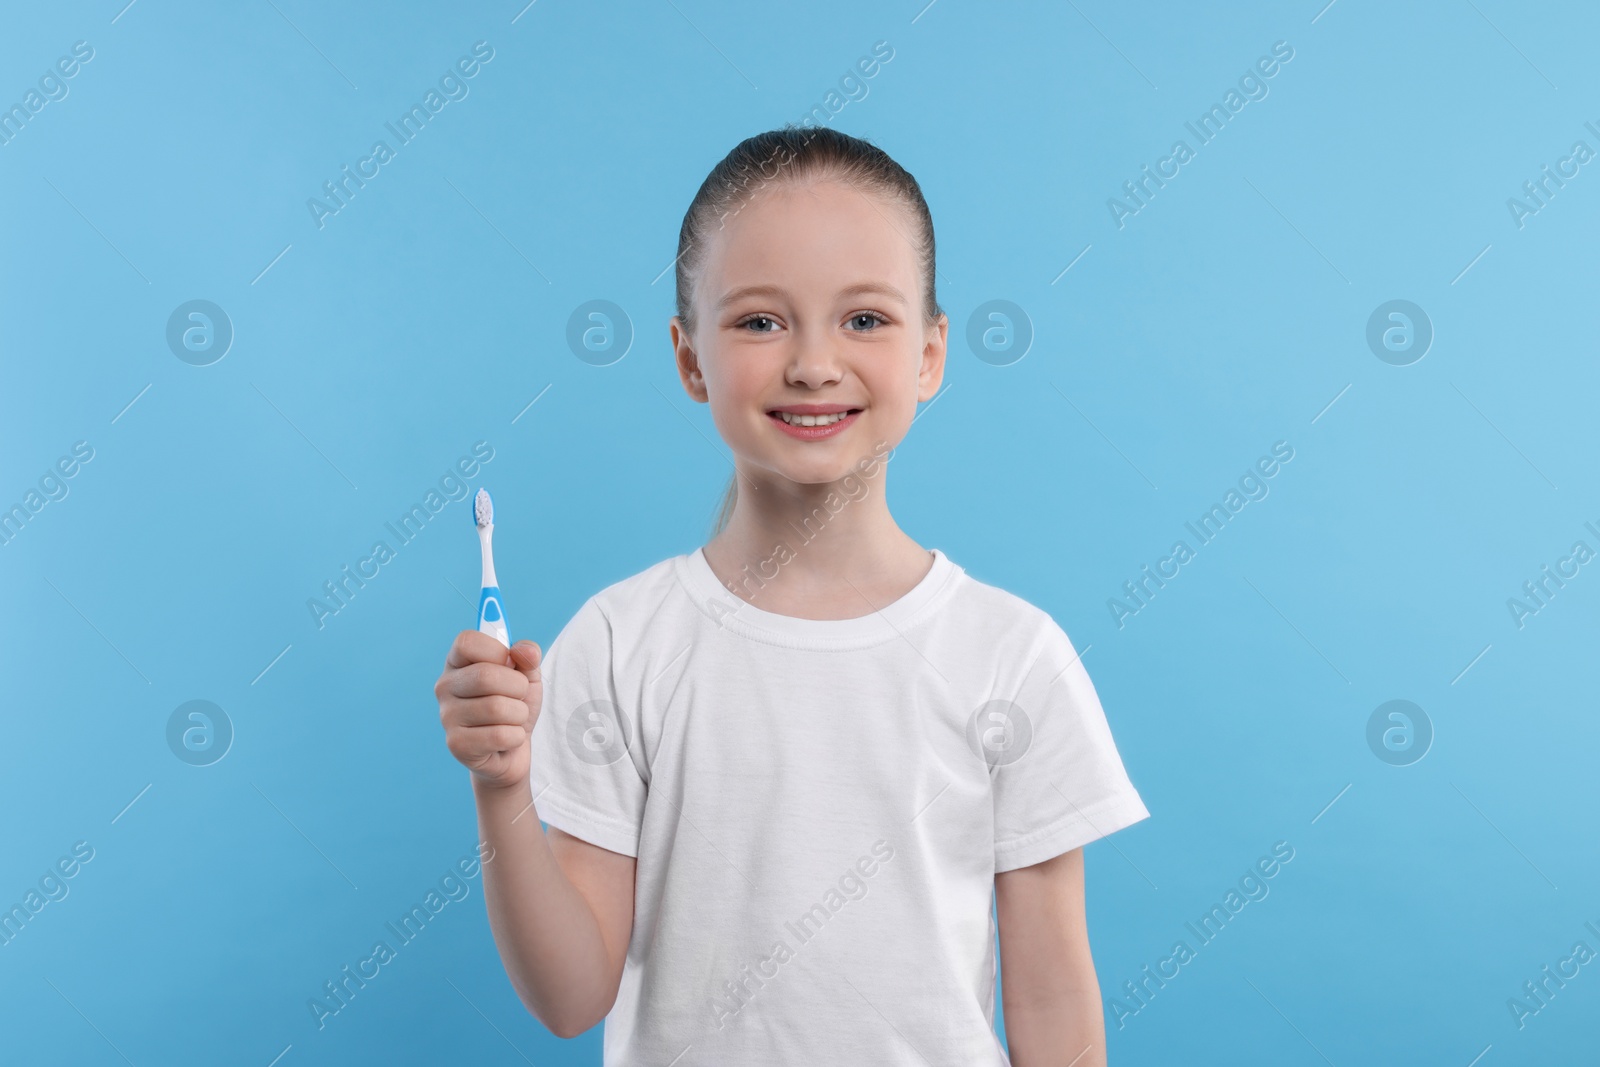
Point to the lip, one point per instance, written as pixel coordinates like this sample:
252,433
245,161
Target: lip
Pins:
814,433
814,409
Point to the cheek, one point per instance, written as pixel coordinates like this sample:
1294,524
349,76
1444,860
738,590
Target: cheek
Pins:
892,380
737,379
736,383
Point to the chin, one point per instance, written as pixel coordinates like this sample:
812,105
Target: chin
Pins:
816,472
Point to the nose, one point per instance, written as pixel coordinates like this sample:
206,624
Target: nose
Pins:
814,361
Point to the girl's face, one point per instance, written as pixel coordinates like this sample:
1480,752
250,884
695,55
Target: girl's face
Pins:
809,301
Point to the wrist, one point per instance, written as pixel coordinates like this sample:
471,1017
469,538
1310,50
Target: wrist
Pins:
518,789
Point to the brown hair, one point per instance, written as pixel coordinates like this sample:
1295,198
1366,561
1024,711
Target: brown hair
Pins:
795,153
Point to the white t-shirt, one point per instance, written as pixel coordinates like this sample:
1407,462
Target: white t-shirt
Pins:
818,808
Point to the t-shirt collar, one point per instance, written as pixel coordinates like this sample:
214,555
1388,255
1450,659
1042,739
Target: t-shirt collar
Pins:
741,616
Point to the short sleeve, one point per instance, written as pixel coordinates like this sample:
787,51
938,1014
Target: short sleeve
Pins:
1058,779
583,774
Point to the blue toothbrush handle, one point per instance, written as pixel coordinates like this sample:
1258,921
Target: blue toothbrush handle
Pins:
491,616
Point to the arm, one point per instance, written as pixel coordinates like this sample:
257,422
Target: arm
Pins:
1048,987
561,910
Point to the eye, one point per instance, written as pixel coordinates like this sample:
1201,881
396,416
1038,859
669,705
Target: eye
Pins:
753,320
870,319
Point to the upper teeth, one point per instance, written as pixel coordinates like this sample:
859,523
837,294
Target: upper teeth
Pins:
811,420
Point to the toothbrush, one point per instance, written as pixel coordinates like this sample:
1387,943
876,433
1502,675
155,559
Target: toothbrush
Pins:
491,618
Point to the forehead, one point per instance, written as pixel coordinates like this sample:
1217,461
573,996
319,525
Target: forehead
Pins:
810,237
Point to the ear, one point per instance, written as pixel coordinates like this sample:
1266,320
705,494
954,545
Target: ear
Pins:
931,372
694,382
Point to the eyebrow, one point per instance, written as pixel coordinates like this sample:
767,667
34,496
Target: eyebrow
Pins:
858,289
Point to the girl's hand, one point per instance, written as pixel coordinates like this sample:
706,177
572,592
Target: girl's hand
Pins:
489,699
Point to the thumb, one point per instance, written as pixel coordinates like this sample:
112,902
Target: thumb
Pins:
526,657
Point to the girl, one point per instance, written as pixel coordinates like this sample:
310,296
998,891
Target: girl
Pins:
787,775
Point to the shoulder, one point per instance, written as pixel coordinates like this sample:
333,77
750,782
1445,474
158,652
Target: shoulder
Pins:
1005,619
631,609
642,590
997,606
621,616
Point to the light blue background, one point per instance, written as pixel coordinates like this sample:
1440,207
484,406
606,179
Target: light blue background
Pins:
427,314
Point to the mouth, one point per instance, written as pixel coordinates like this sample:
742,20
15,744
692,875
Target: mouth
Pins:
810,422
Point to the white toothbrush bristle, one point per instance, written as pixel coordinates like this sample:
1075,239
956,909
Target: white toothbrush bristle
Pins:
483,508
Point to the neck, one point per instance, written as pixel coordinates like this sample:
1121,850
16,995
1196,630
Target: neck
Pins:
818,548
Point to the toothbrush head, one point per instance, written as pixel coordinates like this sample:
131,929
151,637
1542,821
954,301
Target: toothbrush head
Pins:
483,509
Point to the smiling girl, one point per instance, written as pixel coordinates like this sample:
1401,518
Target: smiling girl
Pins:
787,775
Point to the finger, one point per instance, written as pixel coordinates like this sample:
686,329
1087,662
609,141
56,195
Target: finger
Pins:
527,657
481,742
470,646
488,711
482,680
